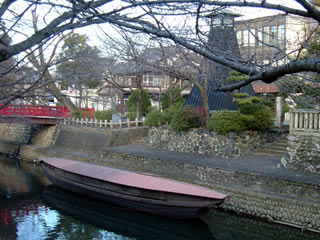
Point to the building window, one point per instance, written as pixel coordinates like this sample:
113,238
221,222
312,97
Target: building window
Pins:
158,81
252,39
148,80
274,38
281,33
245,38
239,37
259,37
151,80
127,81
266,35
145,80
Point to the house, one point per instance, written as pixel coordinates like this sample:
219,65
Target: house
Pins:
272,40
155,70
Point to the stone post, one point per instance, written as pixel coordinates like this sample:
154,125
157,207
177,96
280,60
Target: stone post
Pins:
279,104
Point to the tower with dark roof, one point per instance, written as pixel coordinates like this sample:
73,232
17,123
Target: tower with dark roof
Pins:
222,39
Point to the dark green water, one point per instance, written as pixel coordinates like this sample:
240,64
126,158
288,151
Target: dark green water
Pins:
32,208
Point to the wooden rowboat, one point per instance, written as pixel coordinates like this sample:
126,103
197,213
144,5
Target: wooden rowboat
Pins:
141,192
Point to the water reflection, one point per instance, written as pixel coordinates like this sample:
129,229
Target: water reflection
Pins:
124,221
31,208
24,215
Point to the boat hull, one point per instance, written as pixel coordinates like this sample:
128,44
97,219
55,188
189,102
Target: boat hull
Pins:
158,203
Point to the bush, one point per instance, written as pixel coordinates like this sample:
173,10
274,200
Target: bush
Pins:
184,118
169,112
251,117
224,122
80,114
132,114
104,115
249,109
263,119
155,117
76,114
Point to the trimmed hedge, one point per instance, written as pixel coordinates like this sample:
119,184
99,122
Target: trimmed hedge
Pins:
104,115
251,117
224,122
155,118
80,114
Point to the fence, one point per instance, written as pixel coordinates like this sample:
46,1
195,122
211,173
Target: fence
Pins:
304,121
102,124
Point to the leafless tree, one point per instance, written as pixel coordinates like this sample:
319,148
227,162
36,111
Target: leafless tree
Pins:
153,18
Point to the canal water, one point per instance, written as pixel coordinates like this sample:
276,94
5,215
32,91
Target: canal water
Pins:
31,208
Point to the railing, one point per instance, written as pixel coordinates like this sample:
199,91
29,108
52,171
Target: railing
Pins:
102,124
34,110
304,121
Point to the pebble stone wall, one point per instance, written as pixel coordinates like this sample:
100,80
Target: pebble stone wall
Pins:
208,142
303,153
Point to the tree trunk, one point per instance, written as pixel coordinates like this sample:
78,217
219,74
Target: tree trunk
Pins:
205,105
170,96
80,96
65,101
139,103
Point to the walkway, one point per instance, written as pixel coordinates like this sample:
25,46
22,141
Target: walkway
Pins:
261,165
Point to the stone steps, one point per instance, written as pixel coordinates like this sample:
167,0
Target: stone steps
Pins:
277,148
139,140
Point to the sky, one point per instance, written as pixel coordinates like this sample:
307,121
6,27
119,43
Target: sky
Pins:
95,33
248,13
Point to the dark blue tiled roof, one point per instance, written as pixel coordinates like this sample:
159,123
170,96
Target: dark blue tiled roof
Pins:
217,100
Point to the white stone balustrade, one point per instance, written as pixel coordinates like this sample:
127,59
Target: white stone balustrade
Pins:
103,124
305,122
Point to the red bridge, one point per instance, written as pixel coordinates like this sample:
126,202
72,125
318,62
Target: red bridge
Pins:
46,115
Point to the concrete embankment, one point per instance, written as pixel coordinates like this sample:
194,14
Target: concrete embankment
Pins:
256,186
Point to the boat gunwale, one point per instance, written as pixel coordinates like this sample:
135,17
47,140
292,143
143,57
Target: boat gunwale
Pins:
183,204
222,199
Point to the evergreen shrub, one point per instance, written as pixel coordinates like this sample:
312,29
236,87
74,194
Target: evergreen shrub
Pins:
184,118
80,114
76,114
132,103
224,122
155,117
263,118
177,98
104,115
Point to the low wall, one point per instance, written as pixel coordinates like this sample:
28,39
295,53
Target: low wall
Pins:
208,142
16,132
303,153
92,140
25,139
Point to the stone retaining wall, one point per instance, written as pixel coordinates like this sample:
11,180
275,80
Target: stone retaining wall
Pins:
16,132
273,199
85,139
303,153
208,142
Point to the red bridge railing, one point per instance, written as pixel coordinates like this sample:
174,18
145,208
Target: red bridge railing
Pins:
45,111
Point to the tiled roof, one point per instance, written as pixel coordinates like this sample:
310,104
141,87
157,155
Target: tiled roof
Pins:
265,88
